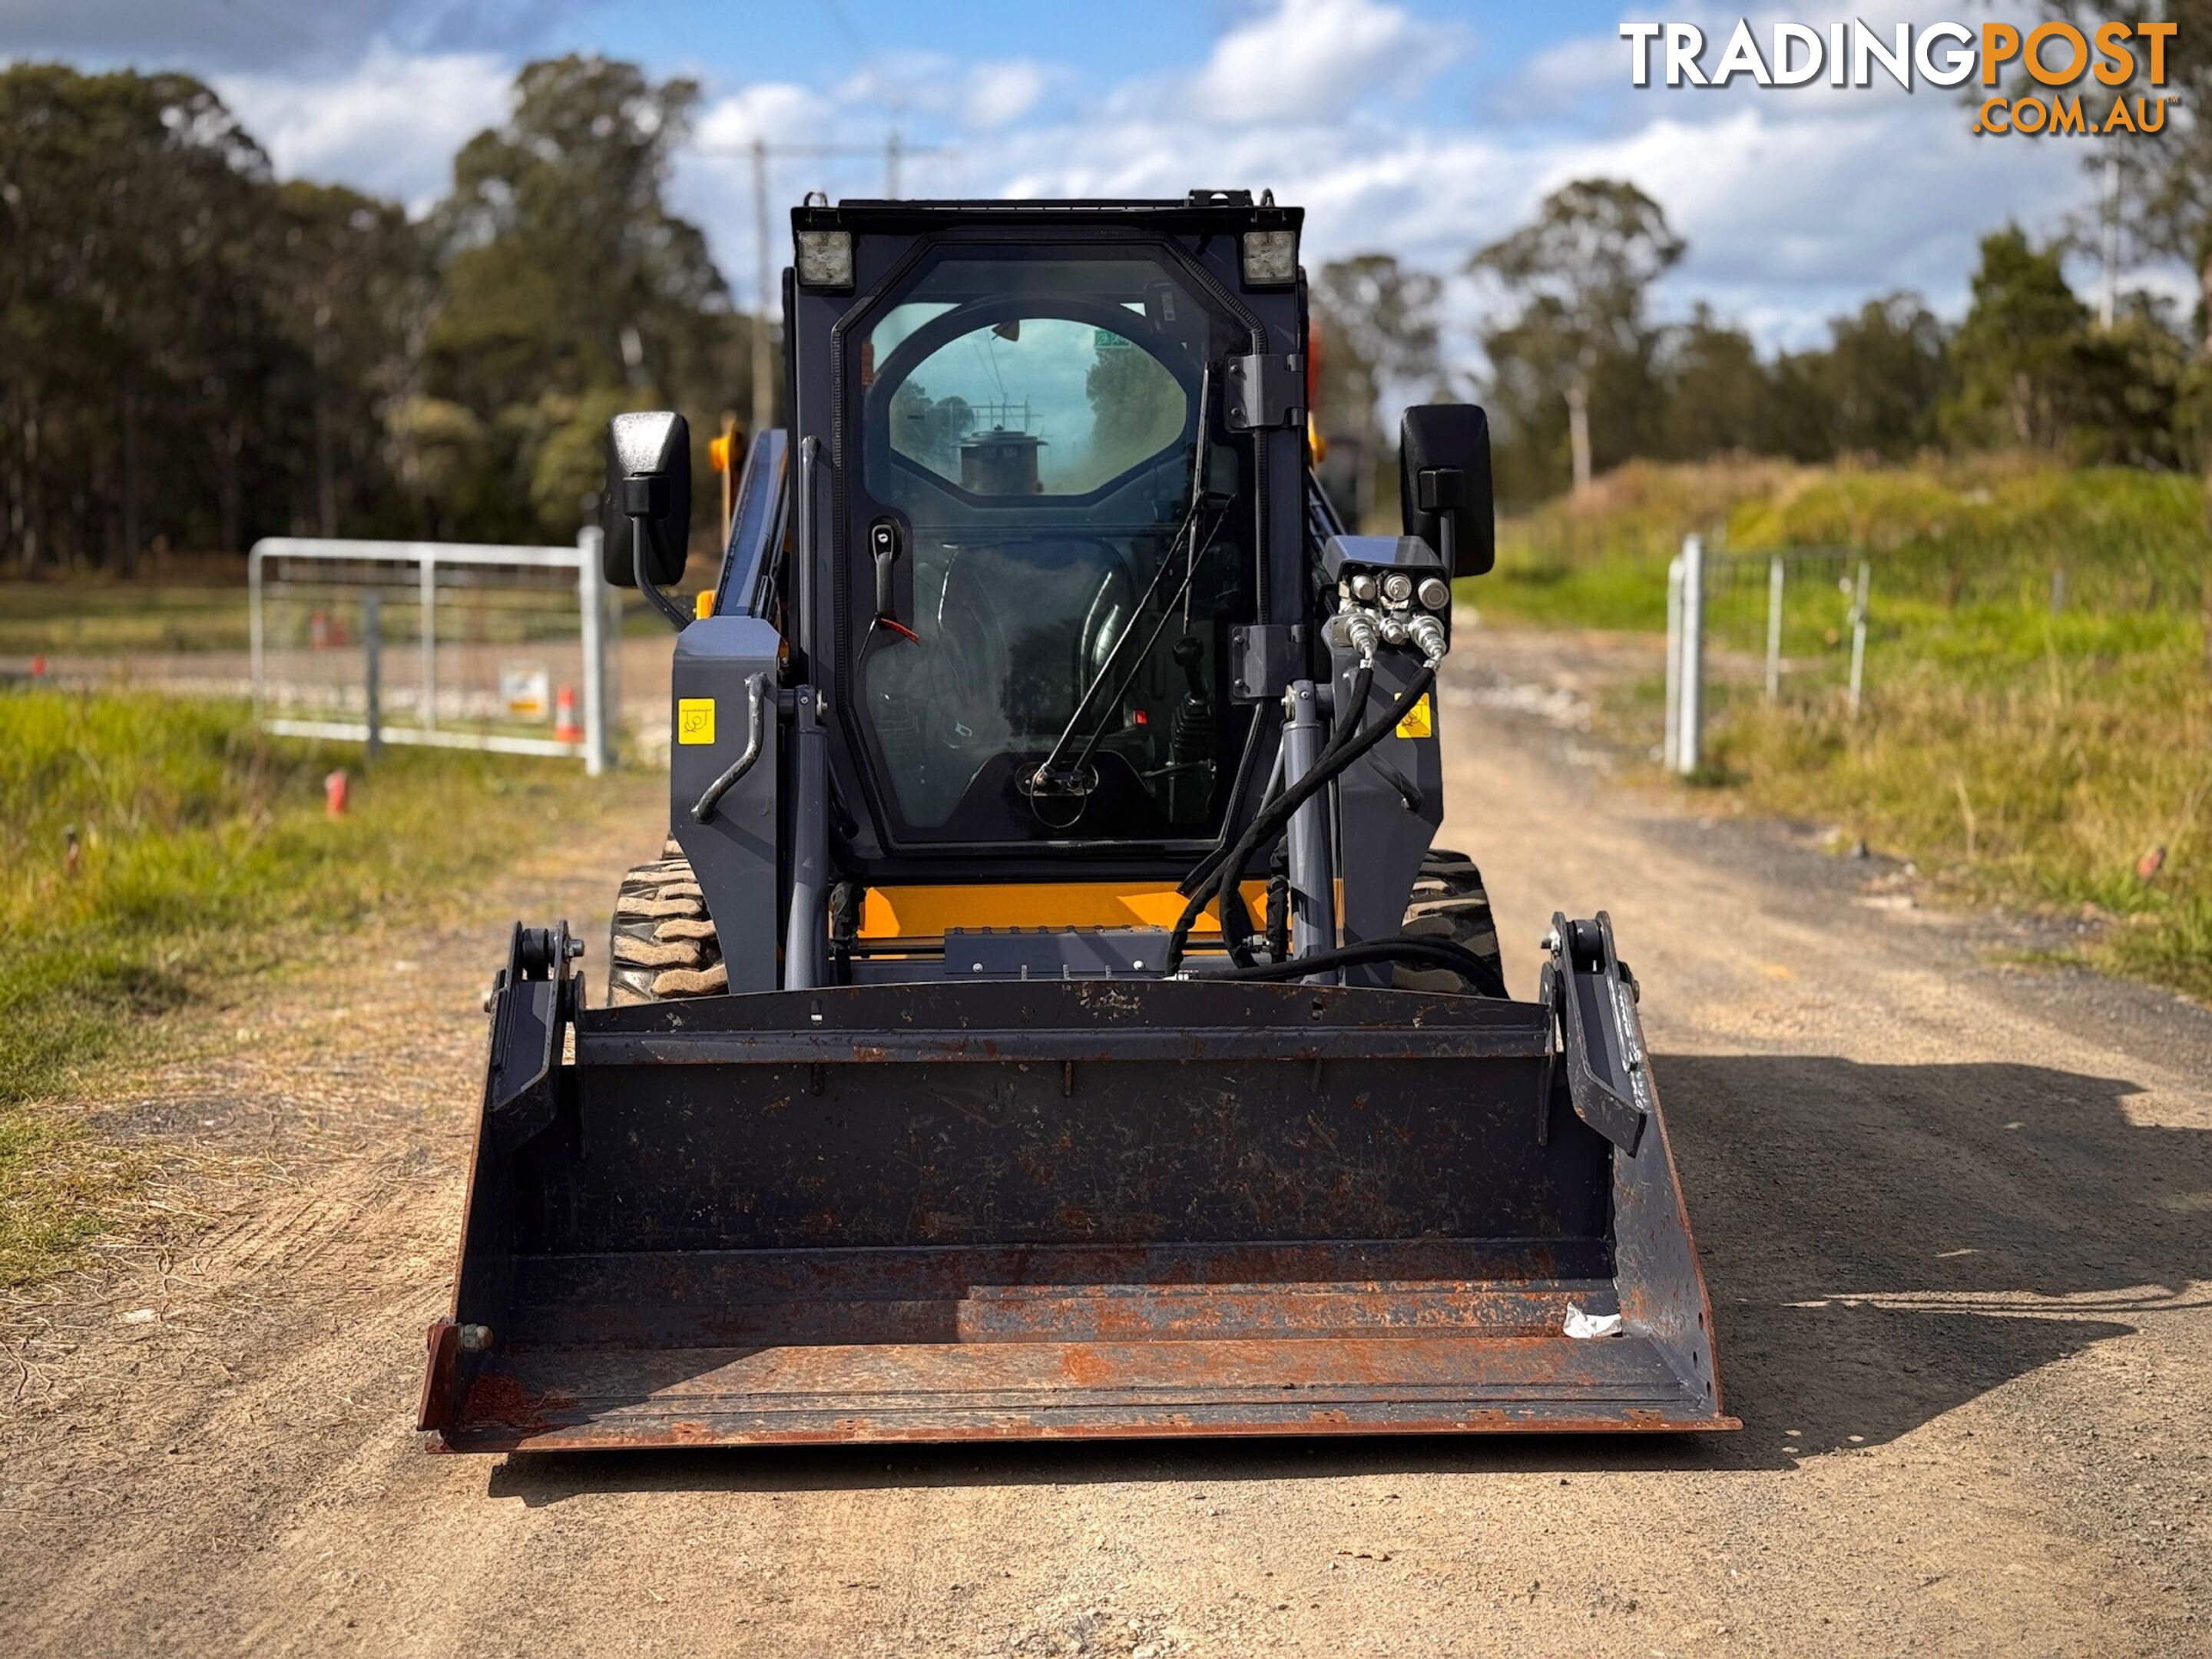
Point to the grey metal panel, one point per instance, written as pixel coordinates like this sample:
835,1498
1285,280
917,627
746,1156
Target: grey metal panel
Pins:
734,852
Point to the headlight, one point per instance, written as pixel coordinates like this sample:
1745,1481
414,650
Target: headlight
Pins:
825,258
1271,256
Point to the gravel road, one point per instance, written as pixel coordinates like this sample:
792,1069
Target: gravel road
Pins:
1956,1218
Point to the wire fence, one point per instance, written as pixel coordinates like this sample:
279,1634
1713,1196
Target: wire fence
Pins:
455,646
1793,621
1785,626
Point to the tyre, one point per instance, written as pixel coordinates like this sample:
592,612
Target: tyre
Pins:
1448,904
663,945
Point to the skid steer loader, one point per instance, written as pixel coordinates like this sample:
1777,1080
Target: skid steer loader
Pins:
1049,1017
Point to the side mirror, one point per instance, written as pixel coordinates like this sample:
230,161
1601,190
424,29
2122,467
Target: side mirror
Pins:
1443,484
648,479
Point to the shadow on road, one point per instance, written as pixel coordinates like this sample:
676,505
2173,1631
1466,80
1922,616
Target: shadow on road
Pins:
1881,1242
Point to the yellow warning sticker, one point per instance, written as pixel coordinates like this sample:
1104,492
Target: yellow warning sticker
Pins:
695,720
1419,722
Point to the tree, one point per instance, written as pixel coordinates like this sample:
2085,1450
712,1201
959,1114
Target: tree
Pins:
1718,394
2017,354
1578,275
192,353
565,279
132,323
2165,177
350,281
1882,377
1378,330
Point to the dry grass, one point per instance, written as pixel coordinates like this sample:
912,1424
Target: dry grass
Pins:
2016,755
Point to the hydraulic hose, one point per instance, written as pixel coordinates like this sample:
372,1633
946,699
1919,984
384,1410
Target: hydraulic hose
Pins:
1268,824
1207,865
1356,699
1487,980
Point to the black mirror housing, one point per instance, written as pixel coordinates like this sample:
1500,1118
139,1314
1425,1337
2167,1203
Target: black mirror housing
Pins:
1443,484
648,473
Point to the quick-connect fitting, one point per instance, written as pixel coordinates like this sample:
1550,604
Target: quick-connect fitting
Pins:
1356,630
1428,636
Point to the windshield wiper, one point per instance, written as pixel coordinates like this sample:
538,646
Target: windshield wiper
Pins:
1048,779
1167,615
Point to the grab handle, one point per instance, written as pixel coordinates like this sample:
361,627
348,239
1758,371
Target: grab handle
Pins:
756,698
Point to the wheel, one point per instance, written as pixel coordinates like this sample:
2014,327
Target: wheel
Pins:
1447,903
663,945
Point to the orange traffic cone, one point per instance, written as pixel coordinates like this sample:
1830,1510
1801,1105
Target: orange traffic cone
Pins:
565,729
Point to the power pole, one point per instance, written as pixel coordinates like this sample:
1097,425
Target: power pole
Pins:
2108,296
763,374
759,152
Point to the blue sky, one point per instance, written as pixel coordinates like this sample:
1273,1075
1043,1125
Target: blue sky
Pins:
1420,127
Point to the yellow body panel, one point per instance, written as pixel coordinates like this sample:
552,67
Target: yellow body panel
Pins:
919,913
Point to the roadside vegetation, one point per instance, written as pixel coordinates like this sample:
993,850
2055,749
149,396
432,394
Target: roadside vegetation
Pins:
157,854
119,618
2037,728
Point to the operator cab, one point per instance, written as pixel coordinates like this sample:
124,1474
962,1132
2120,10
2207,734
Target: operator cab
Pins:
1048,521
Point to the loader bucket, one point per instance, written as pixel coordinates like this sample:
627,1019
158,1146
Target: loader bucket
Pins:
1068,1209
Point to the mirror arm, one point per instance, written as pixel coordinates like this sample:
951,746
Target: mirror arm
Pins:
661,602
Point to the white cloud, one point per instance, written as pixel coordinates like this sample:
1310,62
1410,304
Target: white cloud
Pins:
1312,60
1001,93
389,126
778,110
1573,68
1797,204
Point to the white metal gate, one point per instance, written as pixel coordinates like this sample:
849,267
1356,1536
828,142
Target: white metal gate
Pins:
444,643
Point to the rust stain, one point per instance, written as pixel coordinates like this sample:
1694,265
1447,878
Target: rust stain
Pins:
496,1399
436,1409
1083,1365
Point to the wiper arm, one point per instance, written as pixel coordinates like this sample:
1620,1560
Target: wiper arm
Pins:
1167,615
1046,779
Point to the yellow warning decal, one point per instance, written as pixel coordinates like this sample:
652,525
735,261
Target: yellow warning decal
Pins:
1419,722
695,720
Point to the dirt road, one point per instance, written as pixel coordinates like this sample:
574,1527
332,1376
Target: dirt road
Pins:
1957,1221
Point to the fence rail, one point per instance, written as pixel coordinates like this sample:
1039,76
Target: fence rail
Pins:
494,630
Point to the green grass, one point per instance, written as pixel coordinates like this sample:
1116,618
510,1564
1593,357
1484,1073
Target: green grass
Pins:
2016,755
1987,531
205,856
92,617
